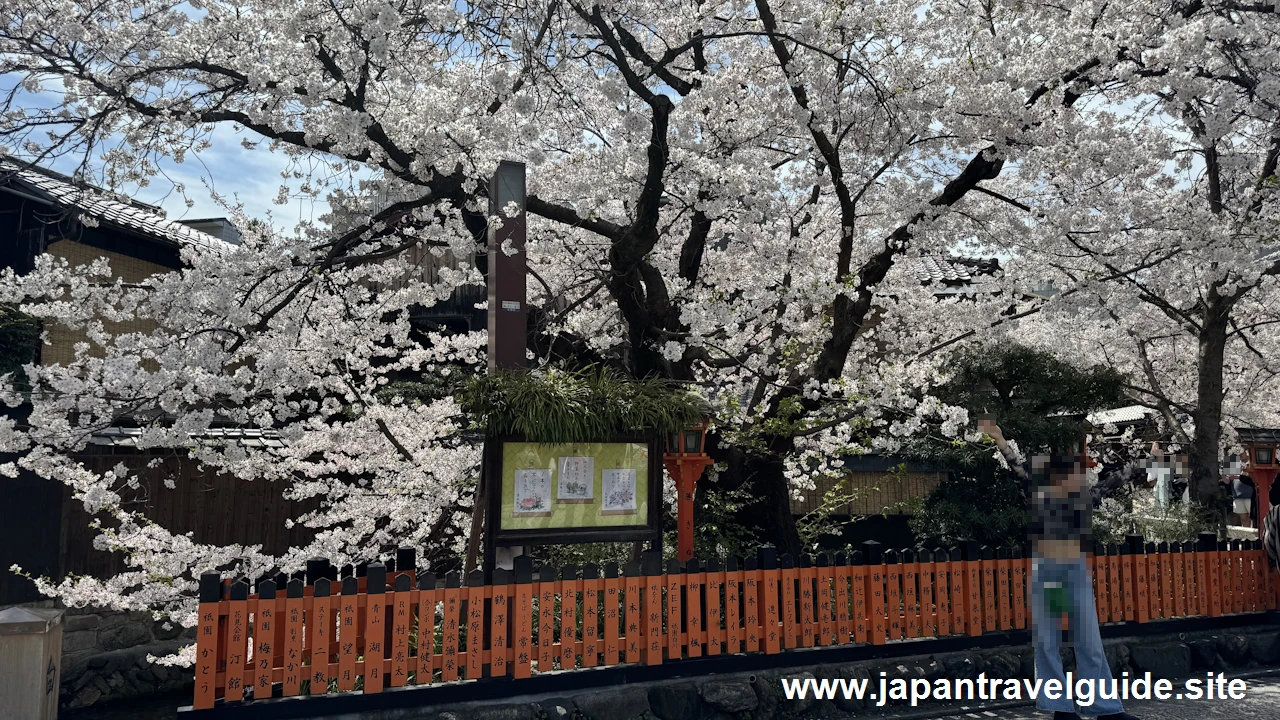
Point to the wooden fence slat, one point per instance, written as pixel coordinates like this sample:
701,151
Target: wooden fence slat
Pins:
591,585
451,621
693,626
1187,595
928,610
959,594
715,580
1101,599
771,578
1019,591
375,629
1247,576
753,610
475,624
1201,559
237,640
500,622
613,628
892,594
787,588
1238,600
1128,577
264,635
207,640
544,625
1225,582
347,634
652,608
568,617
1152,569
632,613
424,672
859,583
807,601
1004,619
1114,590
522,622
1154,601
1177,580
826,618
942,590
1142,572
972,588
987,569
674,582
910,578
1214,573
1256,571
875,574
546,589
293,673
733,587
320,626
1165,564
278,645
844,575
402,603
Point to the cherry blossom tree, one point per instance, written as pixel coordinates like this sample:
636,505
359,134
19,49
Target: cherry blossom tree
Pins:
722,193
1158,218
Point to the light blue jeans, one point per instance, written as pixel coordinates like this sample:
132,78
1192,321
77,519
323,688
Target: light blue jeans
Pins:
1082,624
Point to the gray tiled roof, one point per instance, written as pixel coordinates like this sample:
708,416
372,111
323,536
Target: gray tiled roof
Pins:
1130,413
103,206
247,437
930,269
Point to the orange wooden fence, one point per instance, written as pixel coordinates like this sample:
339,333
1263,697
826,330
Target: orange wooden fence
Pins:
393,627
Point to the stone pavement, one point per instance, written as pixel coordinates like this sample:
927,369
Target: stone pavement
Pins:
1262,700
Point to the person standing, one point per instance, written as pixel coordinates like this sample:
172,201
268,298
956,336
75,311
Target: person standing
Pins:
1271,527
1060,529
1242,489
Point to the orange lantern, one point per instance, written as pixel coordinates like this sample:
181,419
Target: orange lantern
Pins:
685,459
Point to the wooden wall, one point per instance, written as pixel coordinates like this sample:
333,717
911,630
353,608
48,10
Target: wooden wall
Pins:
216,509
877,492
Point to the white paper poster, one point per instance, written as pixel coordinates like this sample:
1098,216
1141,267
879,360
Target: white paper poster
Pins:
532,492
576,480
618,488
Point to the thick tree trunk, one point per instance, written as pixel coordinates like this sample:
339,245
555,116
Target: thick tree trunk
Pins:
762,476
774,507
1205,453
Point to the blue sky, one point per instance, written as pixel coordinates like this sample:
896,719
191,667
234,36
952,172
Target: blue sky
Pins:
238,174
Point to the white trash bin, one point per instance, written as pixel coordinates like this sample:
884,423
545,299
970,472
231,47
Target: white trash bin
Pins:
30,663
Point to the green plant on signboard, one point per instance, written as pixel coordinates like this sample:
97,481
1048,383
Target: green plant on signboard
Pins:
557,405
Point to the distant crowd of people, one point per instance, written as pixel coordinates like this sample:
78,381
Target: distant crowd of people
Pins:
1166,474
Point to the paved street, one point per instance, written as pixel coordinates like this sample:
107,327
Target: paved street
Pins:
1262,701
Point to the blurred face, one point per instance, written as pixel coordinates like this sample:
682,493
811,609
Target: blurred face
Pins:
1073,479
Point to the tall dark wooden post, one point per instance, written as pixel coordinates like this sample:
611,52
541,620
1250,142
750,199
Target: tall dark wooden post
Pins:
508,316
508,323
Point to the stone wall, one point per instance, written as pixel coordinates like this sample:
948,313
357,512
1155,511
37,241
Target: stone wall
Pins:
104,656
758,696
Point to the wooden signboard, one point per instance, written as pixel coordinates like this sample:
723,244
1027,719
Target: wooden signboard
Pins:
573,492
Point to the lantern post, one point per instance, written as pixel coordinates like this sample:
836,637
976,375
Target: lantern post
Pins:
1263,466
685,459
